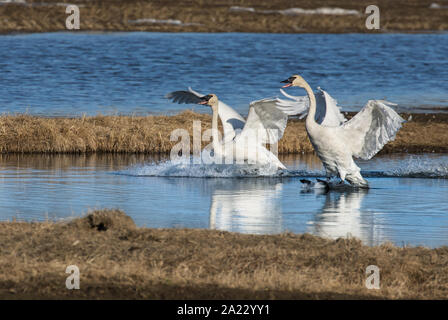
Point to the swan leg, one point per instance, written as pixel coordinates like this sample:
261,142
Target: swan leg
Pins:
342,175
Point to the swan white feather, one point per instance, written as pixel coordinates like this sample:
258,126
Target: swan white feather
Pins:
361,137
230,119
266,123
327,111
266,120
371,128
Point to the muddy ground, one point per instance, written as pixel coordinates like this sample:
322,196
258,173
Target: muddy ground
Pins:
117,260
216,16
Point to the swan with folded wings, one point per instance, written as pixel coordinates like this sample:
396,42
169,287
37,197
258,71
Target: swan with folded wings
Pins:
337,141
243,140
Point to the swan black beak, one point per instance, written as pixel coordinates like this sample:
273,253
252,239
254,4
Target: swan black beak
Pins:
288,82
205,99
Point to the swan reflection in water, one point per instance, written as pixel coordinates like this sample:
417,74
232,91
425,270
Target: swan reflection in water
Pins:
247,206
255,206
342,217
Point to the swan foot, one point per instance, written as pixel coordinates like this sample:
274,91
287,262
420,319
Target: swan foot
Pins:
306,181
308,185
326,185
360,185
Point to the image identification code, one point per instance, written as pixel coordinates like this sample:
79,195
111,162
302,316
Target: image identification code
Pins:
243,309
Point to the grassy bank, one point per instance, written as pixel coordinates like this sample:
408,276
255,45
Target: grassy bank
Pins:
215,16
151,134
118,260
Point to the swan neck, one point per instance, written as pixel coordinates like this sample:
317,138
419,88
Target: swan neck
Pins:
215,135
312,112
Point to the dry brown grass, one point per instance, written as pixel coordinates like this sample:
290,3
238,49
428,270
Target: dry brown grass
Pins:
26,134
118,260
151,134
214,16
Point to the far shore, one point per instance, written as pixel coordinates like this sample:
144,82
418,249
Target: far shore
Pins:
117,260
282,16
21,133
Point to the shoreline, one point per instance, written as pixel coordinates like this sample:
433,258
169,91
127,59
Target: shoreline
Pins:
412,16
27,134
93,31
118,260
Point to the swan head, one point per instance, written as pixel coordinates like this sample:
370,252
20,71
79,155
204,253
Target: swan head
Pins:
294,81
210,99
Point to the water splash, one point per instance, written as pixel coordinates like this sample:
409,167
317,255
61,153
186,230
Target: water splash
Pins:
412,167
415,167
173,169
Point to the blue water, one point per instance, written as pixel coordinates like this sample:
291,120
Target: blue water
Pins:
129,73
403,206
70,74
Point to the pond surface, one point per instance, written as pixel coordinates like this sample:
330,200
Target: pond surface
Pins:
57,74
70,74
407,204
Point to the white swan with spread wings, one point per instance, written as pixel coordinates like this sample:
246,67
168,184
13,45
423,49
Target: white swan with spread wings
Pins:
337,141
243,139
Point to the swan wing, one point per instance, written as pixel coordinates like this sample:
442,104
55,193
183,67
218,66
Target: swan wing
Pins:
327,112
230,119
371,128
265,119
184,97
296,105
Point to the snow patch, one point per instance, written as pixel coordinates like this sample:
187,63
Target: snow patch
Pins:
241,9
162,21
328,11
12,1
437,6
298,11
